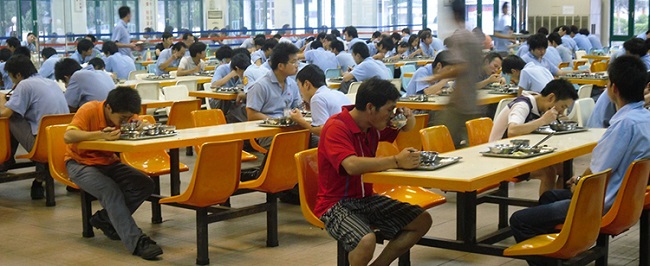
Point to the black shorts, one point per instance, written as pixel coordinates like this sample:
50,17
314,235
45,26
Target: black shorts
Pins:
351,219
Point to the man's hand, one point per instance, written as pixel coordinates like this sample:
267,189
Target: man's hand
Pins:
110,133
494,78
407,112
572,182
549,116
296,115
241,98
408,158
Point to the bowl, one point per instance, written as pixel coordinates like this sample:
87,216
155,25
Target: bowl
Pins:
502,149
428,157
528,149
520,142
398,121
564,125
167,129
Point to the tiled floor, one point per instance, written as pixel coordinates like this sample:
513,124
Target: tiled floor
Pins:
32,234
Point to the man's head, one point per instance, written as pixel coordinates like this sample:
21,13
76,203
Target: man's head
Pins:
402,47
48,52
239,63
13,43
636,47
268,46
167,39
426,37
350,32
240,50
512,65
31,38
85,47
537,45
584,31
564,30
24,51
406,32
179,49
337,47
504,8
574,30
316,44
336,32
327,41
121,104
396,37
64,69
492,63
284,59
386,44
5,54
543,30
376,100
109,48
91,38
558,93
188,39
20,67
360,52
309,79
197,50
627,80
97,63
224,53
375,35
554,39
443,59
125,13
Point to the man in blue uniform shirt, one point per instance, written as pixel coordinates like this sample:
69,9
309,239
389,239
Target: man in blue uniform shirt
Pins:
121,34
50,57
82,85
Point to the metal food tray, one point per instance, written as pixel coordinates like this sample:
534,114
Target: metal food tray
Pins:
523,156
278,125
157,78
224,91
143,137
502,92
336,80
408,99
439,163
547,130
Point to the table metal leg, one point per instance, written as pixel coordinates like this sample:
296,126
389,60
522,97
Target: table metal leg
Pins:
567,171
174,172
49,190
466,217
644,239
503,206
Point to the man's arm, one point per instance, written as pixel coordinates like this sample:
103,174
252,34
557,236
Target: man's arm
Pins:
347,76
167,62
222,81
526,128
184,72
4,111
76,136
255,115
408,158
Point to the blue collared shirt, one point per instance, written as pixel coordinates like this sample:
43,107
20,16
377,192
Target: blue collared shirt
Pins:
370,68
162,58
267,97
565,54
427,50
646,60
30,46
267,65
603,112
258,55
35,97
88,85
627,139
352,42
222,71
500,26
437,44
582,42
323,59
372,48
5,77
544,62
345,61
252,74
534,77
325,103
416,86
47,68
121,35
121,64
523,49
595,42
569,43
77,56
553,56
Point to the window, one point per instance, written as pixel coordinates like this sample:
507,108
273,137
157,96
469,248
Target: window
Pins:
181,15
102,15
629,19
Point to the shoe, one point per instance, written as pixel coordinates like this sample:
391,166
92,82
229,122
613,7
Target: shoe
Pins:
71,189
147,248
4,167
38,191
100,221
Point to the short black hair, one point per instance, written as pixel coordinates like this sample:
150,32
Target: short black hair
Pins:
5,54
316,44
223,52
336,32
84,45
13,42
187,35
351,31
177,46
92,38
406,30
537,41
375,91
321,35
124,11
259,40
109,48
489,57
48,52
361,49
240,50
396,37
65,68
20,64
281,53
512,62
574,29
330,37
555,37
277,36
313,74
338,45
543,30
240,61
97,63
636,47
584,31
124,100
425,34
196,48
444,58
561,88
628,73
458,8
167,35
23,50
31,33
376,34
565,28
269,44
386,43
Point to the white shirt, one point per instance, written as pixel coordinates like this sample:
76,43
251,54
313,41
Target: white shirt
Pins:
516,115
187,64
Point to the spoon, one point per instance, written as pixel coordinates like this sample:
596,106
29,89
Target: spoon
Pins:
544,139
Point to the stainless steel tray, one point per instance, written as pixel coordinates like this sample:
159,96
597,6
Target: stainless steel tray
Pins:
502,92
517,155
547,130
156,78
223,91
439,163
430,98
336,80
143,137
277,125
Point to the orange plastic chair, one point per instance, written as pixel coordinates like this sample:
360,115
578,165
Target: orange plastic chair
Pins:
39,151
409,194
478,130
181,111
410,138
56,149
580,230
563,65
599,66
577,63
213,117
215,179
5,149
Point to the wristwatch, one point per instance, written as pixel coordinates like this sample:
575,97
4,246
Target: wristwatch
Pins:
578,179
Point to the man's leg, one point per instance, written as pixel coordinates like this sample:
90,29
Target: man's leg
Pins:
110,196
542,219
136,186
409,235
344,224
21,132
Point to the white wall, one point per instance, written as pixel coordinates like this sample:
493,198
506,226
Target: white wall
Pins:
555,7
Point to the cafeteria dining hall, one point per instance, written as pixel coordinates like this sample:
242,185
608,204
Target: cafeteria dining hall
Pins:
329,132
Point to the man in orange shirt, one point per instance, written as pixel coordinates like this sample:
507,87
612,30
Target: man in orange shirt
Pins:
120,188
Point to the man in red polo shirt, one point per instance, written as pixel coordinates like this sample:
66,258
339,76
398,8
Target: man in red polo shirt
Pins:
345,203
